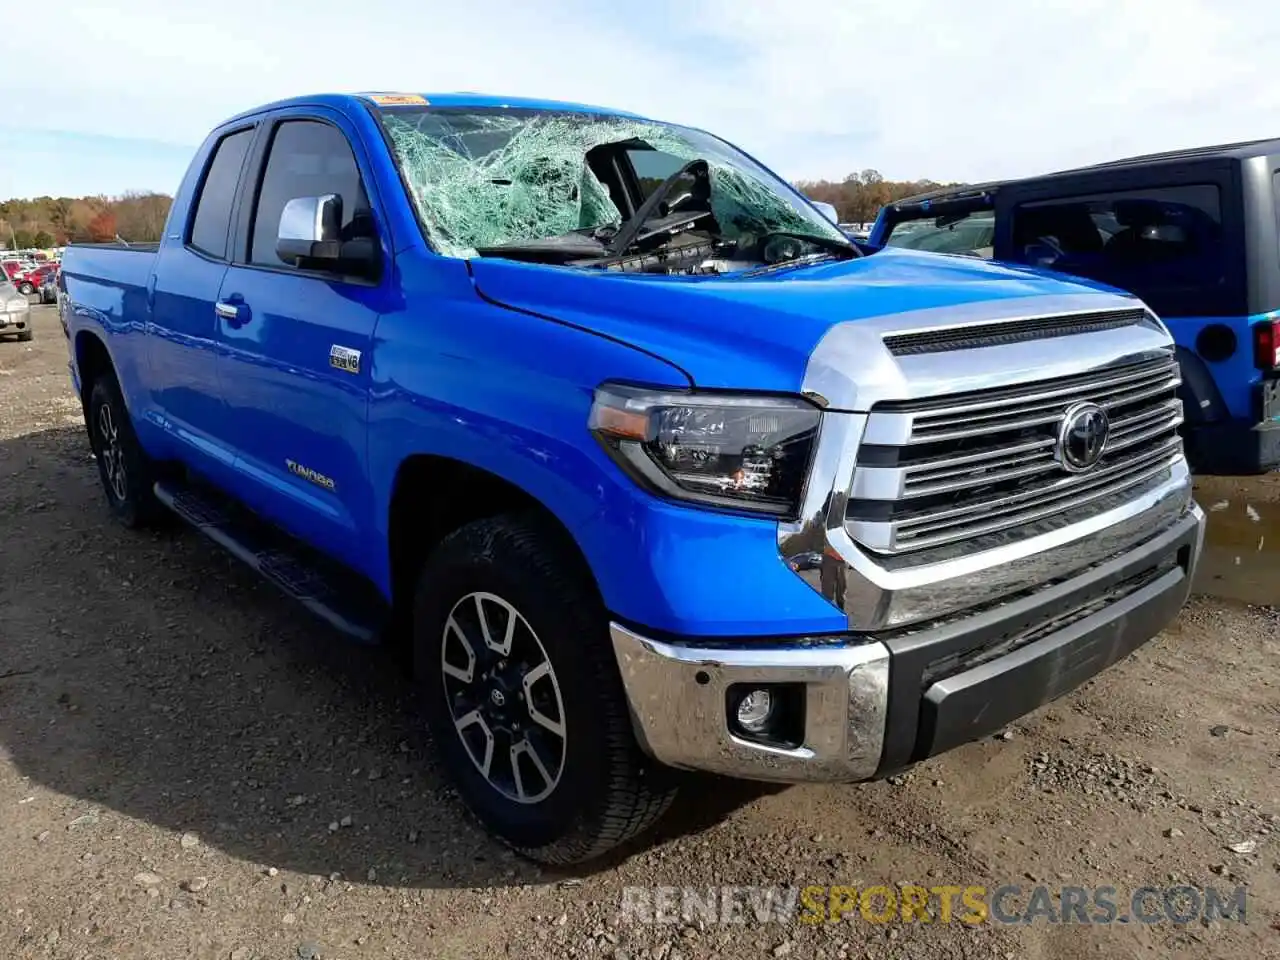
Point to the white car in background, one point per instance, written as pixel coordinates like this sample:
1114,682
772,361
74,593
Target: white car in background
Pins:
15,312
857,231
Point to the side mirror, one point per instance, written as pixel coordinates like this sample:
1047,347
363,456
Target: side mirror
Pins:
310,238
828,210
309,229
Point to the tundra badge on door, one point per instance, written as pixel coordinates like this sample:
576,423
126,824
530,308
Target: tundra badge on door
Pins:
344,358
307,473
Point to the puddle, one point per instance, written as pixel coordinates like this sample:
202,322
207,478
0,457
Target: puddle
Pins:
1241,558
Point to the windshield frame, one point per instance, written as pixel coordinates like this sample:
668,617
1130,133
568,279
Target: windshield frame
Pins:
785,191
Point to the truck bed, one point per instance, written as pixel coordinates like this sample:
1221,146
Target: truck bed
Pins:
110,279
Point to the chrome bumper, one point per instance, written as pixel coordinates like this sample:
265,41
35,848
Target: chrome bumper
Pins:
876,704
679,694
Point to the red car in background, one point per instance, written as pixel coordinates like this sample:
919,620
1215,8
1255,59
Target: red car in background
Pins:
29,281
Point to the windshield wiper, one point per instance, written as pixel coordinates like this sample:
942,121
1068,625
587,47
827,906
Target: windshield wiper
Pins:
561,248
829,244
795,263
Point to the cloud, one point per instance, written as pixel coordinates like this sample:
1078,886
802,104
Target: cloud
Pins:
912,87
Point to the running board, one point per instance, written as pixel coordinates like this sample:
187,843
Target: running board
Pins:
340,597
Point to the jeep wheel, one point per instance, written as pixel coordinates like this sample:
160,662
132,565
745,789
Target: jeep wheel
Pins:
122,466
523,697
26,288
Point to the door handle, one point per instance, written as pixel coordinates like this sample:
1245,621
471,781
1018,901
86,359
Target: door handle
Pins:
233,313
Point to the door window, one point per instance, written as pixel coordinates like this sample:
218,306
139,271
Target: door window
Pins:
1158,243
213,206
308,158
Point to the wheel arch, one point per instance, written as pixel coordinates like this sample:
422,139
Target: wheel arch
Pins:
432,495
92,360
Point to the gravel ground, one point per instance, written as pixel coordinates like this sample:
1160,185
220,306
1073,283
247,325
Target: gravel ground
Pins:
191,767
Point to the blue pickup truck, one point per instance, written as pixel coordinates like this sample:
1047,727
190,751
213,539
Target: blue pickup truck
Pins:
647,467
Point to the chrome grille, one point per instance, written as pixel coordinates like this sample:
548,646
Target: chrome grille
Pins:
972,466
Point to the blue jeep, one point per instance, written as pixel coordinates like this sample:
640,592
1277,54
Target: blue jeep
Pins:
1193,233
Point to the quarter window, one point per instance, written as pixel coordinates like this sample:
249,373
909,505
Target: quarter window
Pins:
307,159
213,206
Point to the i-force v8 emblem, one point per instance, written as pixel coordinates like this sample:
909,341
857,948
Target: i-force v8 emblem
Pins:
344,358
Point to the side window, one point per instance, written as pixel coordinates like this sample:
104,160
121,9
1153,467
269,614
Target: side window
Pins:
1275,196
307,159
1157,242
213,206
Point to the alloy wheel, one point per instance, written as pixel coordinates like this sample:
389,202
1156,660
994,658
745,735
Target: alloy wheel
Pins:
112,452
503,697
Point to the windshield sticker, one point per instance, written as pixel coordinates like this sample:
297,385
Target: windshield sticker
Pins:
398,99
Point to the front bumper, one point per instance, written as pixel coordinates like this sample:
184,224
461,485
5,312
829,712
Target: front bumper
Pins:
14,323
873,704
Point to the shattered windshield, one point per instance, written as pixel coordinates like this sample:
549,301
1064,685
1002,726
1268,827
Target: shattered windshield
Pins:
486,178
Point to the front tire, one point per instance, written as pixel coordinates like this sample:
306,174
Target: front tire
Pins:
26,336
123,467
523,696
26,289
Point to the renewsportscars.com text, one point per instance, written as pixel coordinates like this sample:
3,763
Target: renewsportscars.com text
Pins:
906,903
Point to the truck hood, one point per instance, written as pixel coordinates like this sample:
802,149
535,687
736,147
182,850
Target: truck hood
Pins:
757,333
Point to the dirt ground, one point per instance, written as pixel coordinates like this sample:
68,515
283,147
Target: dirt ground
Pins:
191,767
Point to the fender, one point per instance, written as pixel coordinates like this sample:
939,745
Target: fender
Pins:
514,404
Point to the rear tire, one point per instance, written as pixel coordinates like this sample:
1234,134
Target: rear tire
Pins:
26,336
125,471
26,289
549,765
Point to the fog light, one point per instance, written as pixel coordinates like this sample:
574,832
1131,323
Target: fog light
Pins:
755,710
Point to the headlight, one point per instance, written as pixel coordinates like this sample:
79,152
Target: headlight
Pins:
739,452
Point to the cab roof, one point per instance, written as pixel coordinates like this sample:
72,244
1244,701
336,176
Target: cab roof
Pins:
455,99
1243,150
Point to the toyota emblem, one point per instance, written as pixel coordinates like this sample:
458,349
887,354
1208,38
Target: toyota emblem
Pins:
1082,436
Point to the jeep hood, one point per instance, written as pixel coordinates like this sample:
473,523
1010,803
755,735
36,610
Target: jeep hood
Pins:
756,332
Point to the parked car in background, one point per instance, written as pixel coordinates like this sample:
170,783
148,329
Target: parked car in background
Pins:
15,312
49,286
1194,233
645,463
828,210
14,267
31,280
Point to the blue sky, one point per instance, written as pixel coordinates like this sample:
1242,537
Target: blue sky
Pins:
63,163
123,94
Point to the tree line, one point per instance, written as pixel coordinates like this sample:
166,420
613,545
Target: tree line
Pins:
55,221
139,217
859,196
